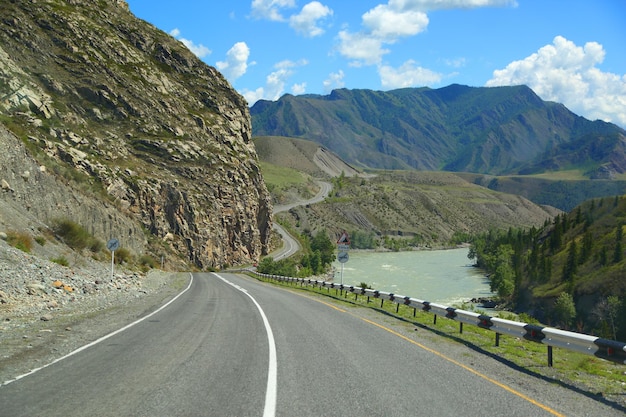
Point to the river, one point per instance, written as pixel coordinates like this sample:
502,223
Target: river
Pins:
440,276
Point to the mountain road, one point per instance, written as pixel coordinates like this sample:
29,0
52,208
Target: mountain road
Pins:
229,345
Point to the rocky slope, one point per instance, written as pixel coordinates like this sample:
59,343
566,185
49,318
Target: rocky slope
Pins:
127,132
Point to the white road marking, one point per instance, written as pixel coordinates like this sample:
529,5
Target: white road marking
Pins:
270,393
103,338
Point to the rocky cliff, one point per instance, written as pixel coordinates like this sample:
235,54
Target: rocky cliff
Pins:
128,121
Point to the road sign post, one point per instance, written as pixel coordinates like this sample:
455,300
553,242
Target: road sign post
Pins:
343,245
113,245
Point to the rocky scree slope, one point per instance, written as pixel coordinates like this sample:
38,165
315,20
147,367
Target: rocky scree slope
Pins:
124,113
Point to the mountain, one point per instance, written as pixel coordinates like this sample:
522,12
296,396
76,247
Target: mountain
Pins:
497,131
430,209
116,125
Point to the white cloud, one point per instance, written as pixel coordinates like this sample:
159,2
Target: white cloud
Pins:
385,24
389,23
198,50
361,48
271,9
298,89
408,74
567,73
236,62
450,4
306,21
334,80
274,83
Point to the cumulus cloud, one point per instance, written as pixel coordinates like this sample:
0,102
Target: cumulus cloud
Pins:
361,48
198,50
408,74
306,22
274,83
389,23
385,24
297,89
334,80
567,73
236,62
271,9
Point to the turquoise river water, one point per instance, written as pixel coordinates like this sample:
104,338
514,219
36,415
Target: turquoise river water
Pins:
439,276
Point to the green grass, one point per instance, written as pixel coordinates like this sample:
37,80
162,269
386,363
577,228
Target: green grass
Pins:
595,375
281,177
20,240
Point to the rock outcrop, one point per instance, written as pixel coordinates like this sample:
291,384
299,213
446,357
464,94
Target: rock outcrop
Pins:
127,116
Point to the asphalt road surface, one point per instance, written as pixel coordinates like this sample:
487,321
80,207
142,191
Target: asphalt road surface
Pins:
232,346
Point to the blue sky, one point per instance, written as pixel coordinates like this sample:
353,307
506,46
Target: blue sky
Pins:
569,51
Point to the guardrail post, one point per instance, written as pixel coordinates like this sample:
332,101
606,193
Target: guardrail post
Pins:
497,339
397,308
461,327
550,356
435,319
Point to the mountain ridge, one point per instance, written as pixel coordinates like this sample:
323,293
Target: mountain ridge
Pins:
489,130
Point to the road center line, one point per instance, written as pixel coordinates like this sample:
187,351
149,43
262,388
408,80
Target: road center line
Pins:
272,372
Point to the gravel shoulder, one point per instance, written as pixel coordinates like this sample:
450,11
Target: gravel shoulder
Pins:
48,310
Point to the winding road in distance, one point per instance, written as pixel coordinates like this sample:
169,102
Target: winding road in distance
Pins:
291,245
233,346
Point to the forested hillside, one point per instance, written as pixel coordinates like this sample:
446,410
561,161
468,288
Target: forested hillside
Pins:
570,273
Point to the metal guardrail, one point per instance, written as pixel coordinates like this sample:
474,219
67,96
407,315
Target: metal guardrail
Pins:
610,350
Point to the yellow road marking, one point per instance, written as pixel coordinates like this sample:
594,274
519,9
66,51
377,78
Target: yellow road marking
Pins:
467,368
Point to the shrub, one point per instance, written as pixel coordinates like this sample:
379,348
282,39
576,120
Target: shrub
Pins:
123,255
60,260
147,262
20,240
76,236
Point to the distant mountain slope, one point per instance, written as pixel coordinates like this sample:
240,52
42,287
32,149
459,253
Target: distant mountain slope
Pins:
457,128
428,207
302,155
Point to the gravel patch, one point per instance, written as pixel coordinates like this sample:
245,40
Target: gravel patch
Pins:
48,310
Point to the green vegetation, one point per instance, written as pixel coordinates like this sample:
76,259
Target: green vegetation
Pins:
75,236
20,240
61,260
569,272
317,256
561,189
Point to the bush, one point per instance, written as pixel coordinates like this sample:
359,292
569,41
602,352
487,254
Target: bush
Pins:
60,260
123,255
76,236
147,262
20,240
